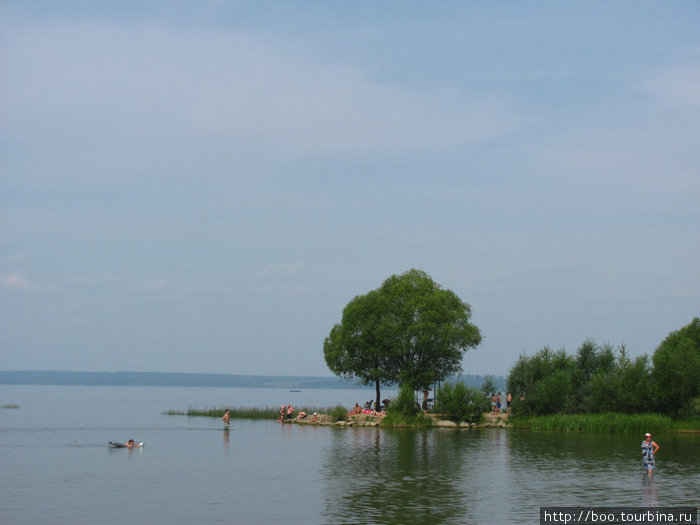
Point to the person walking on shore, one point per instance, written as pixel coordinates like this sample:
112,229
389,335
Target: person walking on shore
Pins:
649,450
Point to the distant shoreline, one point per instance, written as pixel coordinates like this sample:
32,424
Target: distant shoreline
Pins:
176,379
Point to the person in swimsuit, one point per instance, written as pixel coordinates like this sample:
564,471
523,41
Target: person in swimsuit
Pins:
649,450
131,444
227,419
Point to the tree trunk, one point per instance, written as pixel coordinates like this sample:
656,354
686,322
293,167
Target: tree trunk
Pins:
377,403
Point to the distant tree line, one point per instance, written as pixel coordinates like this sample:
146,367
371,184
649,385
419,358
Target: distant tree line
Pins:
602,379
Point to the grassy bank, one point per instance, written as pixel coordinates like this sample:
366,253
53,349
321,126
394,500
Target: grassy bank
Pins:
611,423
241,412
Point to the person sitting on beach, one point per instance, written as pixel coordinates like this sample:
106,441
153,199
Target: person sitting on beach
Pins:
290,411
315,418
301,415
357,410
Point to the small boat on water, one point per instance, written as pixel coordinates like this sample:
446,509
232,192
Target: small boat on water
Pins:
295,390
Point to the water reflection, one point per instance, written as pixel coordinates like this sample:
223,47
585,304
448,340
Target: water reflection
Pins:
393,476
649,490
491,475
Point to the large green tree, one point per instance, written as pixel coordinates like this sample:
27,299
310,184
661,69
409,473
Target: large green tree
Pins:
409,331
677,369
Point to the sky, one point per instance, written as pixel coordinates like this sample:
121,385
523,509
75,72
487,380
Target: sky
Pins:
203,186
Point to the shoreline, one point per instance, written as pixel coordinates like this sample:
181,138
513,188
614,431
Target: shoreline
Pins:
607,423
366,420
485,421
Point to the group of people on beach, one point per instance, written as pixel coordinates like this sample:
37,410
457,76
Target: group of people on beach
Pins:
367,410
496,403
287,412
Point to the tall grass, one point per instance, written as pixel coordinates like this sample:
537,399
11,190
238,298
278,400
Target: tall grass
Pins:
397,419
610,422
241,412
403,411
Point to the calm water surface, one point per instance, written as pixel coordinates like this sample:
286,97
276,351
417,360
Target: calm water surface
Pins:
55,466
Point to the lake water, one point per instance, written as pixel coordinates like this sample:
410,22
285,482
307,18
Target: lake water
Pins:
56,468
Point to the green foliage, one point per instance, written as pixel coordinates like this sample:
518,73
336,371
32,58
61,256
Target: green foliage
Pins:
677,370
459,402
405,403
404,411
358,346
419,420
488,386
408,331
546,380
595,380
608,422
338,413
598,379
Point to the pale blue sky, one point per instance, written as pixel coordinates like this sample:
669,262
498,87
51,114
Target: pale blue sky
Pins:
202,187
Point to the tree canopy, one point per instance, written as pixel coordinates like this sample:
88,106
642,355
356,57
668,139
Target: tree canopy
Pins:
409,331
677,369
598,379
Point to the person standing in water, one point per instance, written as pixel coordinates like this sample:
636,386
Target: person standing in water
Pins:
227,419
649,450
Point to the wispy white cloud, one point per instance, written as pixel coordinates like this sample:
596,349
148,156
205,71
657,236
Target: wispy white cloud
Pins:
153,287
676,85
93,278
16,281
233,96
280,269
17,257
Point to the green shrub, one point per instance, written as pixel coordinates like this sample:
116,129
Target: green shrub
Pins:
405,412
459,402
338,413
405,404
